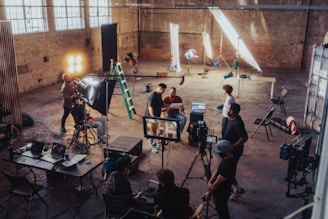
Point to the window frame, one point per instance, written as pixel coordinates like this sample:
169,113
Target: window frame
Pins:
24,15
97,7
68,14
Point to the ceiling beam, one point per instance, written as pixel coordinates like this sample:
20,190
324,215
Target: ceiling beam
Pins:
225,6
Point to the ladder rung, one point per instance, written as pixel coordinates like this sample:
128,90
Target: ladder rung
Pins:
118,72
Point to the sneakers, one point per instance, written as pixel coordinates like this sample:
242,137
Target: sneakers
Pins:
101,141
153,147
236,194
154,150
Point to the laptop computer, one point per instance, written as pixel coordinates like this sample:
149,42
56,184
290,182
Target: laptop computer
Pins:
35,150
198,107
57,153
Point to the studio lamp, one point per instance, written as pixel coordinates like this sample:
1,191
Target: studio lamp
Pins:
74,64
190,54
132,62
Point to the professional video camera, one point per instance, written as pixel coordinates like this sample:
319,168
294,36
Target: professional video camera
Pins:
201,136
198,134
78,85
300,164
297,155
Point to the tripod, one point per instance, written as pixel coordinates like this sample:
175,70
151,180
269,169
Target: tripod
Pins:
188,68
81,125
207,169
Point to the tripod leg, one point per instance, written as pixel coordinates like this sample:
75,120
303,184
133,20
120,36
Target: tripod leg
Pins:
74,137
190,168
86,144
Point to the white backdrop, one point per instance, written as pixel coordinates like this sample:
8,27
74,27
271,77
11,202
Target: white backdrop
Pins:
207,45
174,34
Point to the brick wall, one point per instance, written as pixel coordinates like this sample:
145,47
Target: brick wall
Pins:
276,38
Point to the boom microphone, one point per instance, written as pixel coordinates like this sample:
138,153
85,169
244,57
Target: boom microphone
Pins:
182,80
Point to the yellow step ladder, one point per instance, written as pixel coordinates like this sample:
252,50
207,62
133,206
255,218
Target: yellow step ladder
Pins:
117,71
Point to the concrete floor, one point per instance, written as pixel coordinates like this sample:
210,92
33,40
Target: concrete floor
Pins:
260,171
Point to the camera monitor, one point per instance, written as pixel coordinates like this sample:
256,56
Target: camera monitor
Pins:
198,107
161,128
211,139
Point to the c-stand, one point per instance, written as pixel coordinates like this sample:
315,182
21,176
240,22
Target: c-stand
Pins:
163,144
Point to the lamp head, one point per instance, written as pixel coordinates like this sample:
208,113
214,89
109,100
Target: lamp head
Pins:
190,54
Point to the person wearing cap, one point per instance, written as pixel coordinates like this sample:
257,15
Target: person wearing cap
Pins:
237,135
219,185
154,109
118,184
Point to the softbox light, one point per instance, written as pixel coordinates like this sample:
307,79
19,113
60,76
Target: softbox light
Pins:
96,95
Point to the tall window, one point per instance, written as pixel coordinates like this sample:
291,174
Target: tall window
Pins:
27,16
99,12
69,14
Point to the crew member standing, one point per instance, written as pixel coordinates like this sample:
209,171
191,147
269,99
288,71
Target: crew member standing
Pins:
154,109
229,100
219,184
237,135
67,90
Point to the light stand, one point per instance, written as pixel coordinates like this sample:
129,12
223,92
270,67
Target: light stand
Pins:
237,58
171,68
189,54
221,56
105,165
188,68
163,143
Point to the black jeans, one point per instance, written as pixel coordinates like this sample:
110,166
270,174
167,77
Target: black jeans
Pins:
221,205
224,125
67,111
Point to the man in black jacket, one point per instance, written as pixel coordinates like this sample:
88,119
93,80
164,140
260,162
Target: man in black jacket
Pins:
118,184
